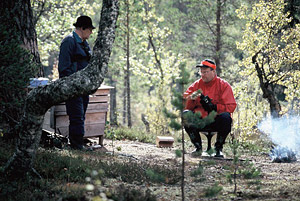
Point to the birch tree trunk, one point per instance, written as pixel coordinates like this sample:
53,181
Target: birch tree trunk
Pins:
41,99
266,87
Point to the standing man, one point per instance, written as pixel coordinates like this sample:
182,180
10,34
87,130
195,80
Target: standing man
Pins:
216,95
75,55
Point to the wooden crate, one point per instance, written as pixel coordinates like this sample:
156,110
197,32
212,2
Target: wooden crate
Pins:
95,116
164,141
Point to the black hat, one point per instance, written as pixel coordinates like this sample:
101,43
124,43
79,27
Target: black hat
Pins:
84,21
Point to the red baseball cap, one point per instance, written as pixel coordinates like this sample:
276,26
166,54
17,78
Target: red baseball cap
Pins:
207,63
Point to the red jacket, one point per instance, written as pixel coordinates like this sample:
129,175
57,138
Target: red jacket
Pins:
218,90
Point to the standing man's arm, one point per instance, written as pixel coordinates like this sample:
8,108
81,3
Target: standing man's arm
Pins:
65,64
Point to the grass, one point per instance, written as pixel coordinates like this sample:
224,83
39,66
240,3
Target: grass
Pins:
120,133
64,174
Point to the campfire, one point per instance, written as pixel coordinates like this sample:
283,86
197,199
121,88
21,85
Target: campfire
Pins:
282,155
285,136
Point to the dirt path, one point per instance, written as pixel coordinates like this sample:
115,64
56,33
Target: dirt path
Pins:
278,181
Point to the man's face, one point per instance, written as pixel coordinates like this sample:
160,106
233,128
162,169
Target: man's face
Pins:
207,74
85,33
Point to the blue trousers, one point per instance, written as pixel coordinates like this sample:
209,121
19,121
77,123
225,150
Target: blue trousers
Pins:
222,125
76,109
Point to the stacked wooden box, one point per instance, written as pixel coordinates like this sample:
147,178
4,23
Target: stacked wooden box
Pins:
95,117
164,141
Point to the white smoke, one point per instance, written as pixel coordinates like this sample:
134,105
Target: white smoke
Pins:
284,132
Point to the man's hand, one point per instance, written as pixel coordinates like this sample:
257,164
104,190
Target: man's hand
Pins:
194,95
207,104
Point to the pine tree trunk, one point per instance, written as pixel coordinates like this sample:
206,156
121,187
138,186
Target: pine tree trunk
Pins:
41,99
124,99
128,67
113,102
21,13
218,38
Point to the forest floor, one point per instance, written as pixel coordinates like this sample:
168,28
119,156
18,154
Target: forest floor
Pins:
133,171
274,181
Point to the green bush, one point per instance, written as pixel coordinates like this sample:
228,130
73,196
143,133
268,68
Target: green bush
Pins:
154,176
250,171
197,171
213,190
15,70
178,153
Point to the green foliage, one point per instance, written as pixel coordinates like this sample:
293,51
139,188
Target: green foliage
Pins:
292,92
232,176
51,165
194,119
55,20
250,110
271,45
250,171
153,65
213,190
121,133
178,153
209,163
6,150
69,176
198,171
154,176
95,188
59,170
123,193
234,147
193,25
256,147
15,70
177,100
34,189
175,125
246,169
169,114
132,171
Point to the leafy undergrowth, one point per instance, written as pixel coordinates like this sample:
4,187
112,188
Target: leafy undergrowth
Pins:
141,171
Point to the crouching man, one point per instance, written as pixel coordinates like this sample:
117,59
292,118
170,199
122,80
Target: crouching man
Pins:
216,95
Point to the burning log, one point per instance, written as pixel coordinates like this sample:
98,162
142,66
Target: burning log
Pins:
282,155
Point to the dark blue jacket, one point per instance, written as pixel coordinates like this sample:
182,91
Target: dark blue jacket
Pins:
74,55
